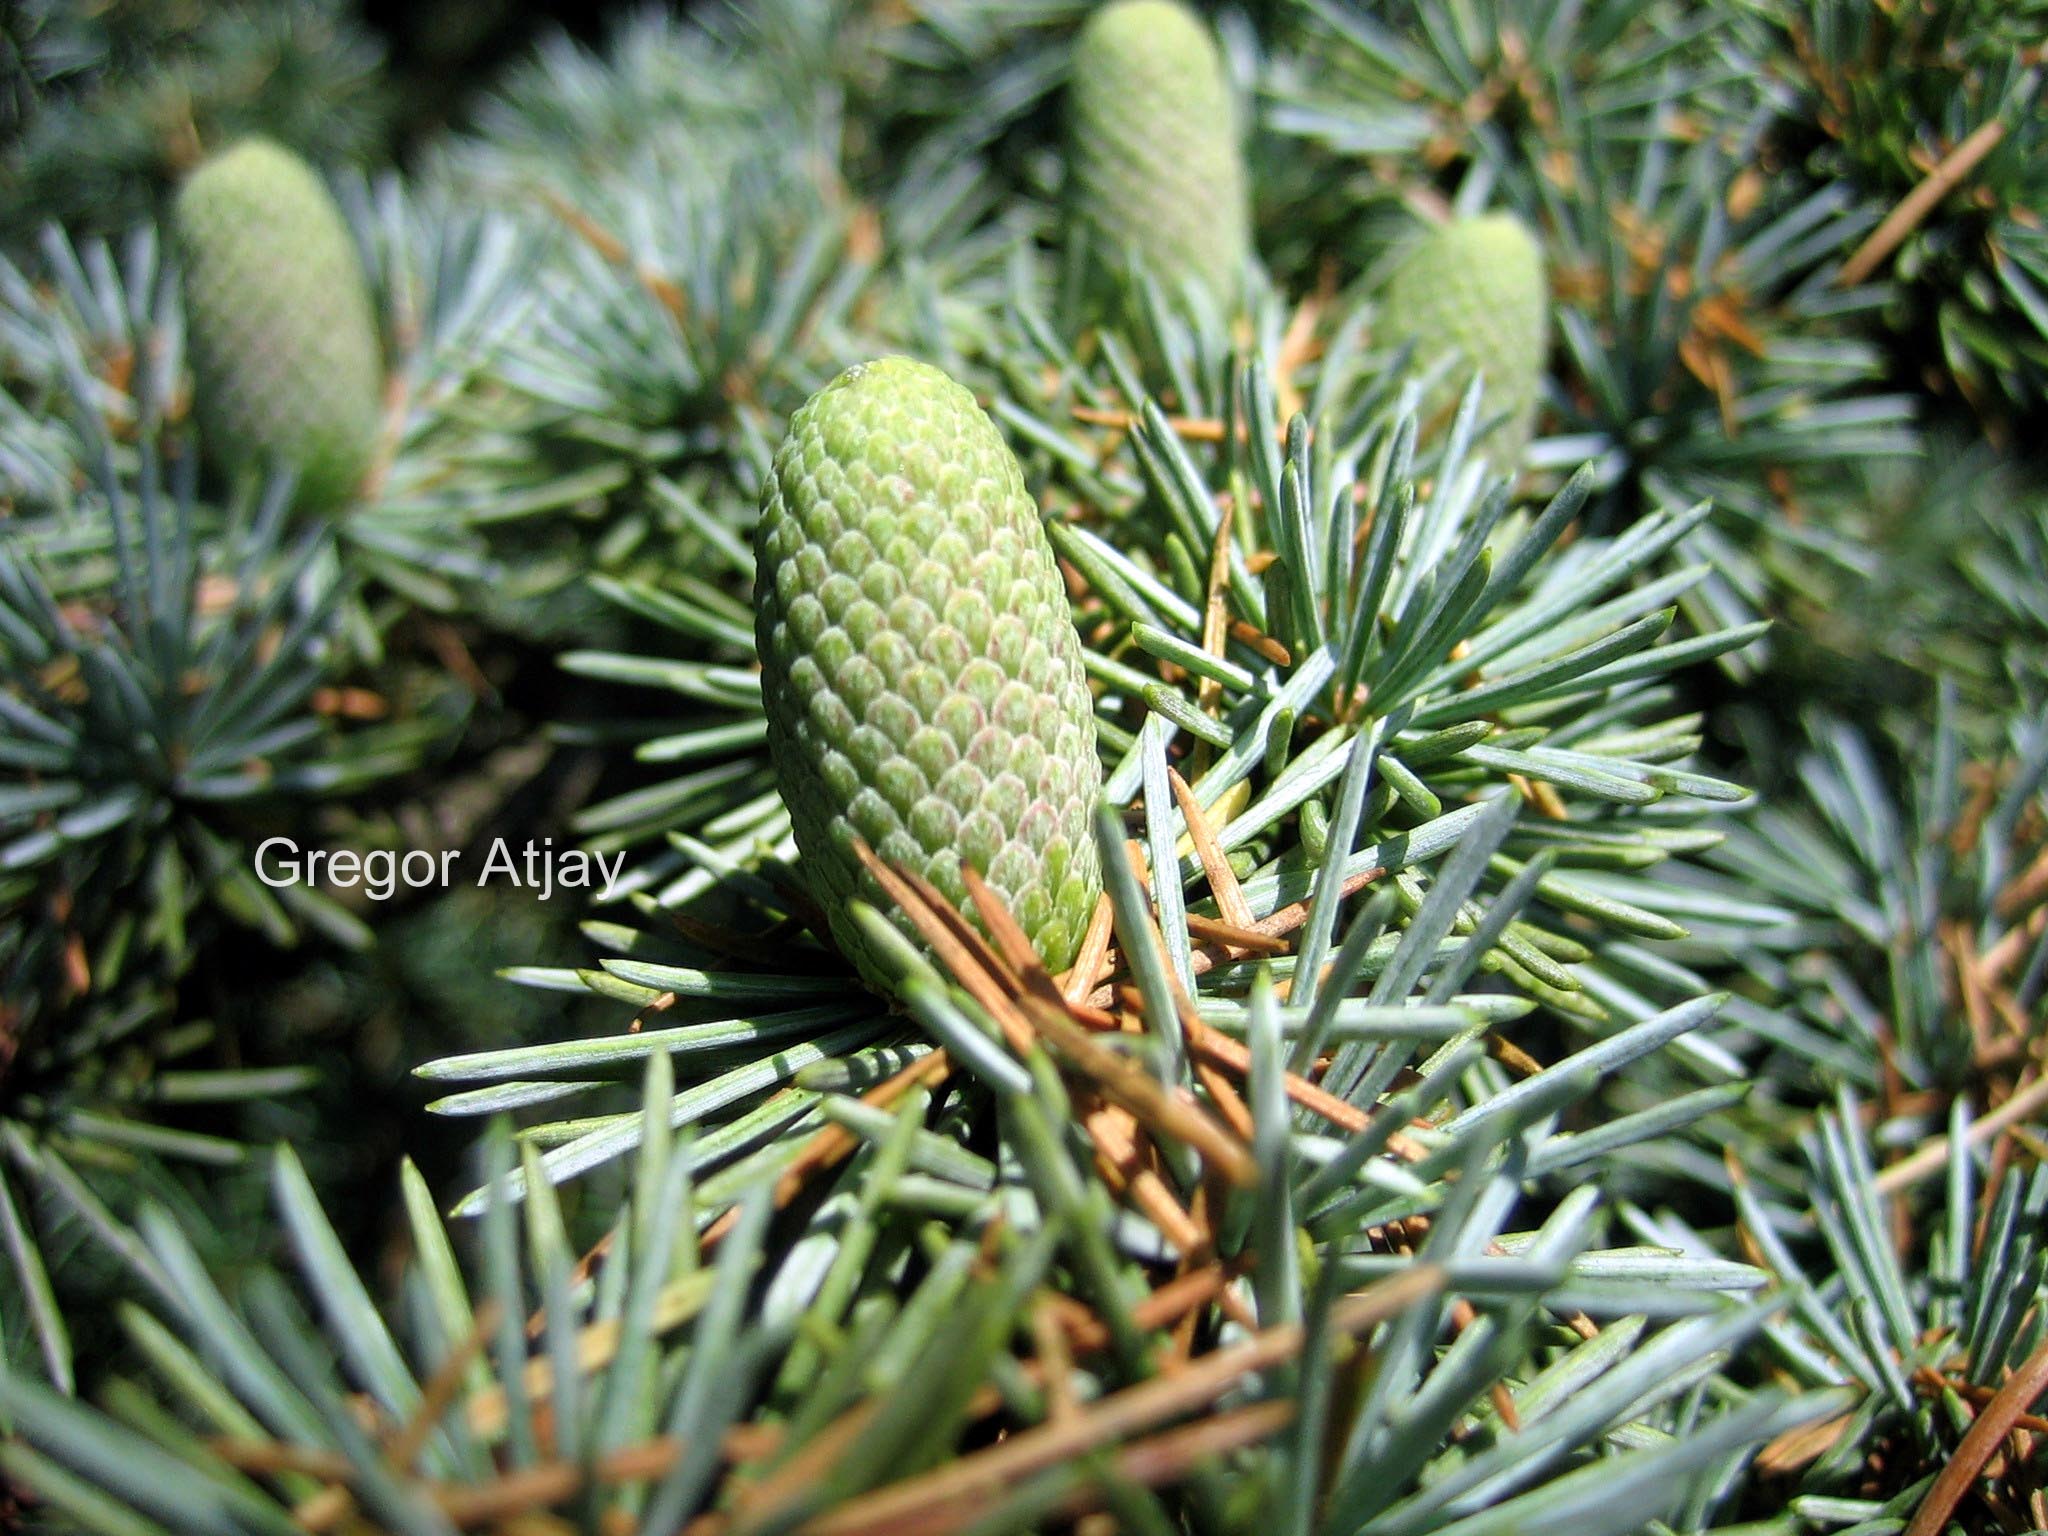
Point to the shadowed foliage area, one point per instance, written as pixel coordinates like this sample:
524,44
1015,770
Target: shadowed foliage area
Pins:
835,767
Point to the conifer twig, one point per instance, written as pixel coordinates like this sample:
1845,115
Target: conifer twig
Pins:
1977,1446
1918,203
1932,1157
1123,1413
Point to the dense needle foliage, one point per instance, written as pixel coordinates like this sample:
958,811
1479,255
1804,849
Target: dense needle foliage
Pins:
1410,657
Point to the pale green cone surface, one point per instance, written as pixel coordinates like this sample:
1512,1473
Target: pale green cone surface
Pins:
283,339
920,669
1153,163
1476,288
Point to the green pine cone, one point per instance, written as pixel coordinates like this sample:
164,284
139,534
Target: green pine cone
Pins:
920,668
1475,287
283,339
1153,164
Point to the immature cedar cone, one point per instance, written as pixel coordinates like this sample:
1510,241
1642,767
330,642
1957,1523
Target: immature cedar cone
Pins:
1153,166
283,342
1475,288
919,663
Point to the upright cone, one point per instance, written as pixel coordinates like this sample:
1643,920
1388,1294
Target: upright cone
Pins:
1154,168
1473,290
920,668
282,336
